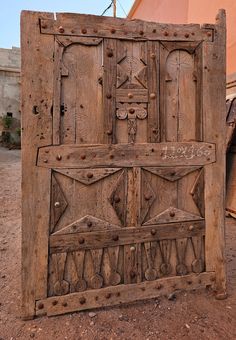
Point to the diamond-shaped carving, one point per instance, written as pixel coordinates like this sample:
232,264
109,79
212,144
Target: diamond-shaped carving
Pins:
131,73
118,197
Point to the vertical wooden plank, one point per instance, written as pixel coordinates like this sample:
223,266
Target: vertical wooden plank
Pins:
132,252
197,77
109,89
214,122
162,68
57,91
153,63
36,96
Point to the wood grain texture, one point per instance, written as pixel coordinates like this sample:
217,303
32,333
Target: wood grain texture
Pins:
70,242
214,111
122,294
126,155
123,160
36,92
90,25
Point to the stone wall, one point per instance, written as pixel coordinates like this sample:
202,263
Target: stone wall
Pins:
10,85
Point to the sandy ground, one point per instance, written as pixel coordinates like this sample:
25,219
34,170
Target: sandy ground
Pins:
195,315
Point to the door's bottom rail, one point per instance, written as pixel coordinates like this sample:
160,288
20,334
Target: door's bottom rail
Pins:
116,295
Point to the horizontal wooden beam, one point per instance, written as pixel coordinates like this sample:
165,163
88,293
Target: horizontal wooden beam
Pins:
97,26
108,238
117,295
126,155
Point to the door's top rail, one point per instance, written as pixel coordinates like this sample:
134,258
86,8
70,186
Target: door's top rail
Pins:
126,155
108,27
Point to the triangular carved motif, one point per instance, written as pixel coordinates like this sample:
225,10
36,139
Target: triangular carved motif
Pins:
122,76
86,224
172,174
147,198
197,193
88,176
141,76
172,215
59,203
118,197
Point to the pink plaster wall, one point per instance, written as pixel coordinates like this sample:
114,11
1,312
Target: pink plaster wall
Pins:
193,11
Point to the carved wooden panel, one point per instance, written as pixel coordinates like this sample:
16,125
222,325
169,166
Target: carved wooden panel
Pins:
123,174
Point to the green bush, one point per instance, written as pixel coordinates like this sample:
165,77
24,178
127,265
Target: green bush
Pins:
18,131
7,121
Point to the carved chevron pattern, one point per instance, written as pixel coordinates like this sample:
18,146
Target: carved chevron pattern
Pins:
172,174
88,176
172,215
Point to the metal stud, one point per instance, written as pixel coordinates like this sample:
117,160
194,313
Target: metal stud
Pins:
82,300
83,156
153,232
153,56
57,204
89,224
45,160
64,304
147,197
116,199
153,95
108,96
40,305
109,132
131,110
166,33
84,31
115,237
130,95
132,248
61,29
191,227
186,35
172,214
59,157
110,54
81,240
89,175
141,32
113,31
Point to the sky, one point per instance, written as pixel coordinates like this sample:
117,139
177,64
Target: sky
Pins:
10,13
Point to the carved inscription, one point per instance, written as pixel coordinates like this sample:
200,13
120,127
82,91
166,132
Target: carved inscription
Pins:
185,152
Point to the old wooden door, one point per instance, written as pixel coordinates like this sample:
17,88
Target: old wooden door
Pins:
123,162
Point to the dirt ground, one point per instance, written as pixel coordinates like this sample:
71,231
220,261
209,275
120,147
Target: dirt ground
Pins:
195,315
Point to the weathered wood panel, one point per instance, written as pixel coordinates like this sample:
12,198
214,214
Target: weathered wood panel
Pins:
122,160
127,155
